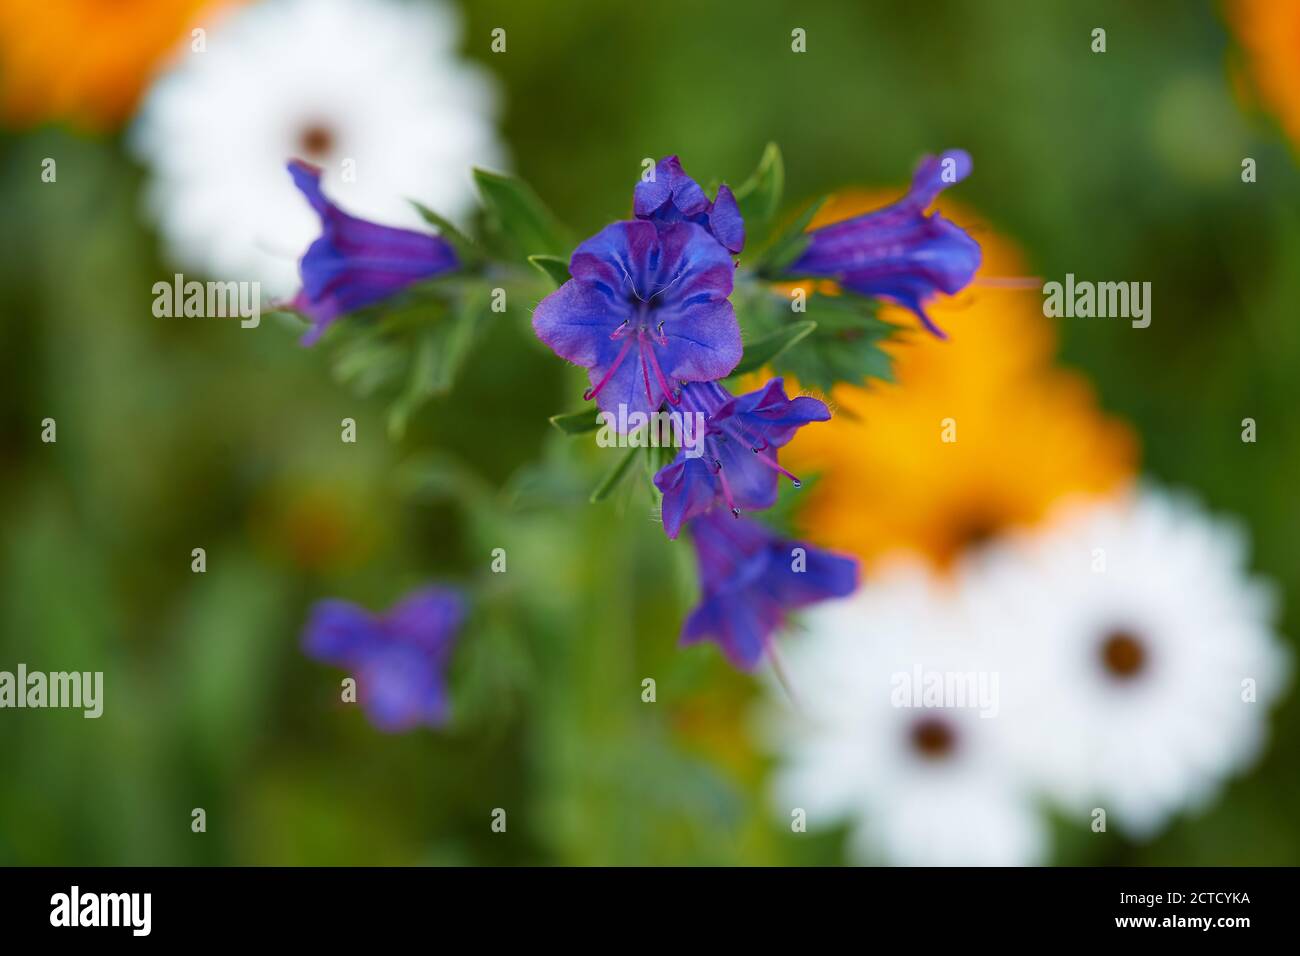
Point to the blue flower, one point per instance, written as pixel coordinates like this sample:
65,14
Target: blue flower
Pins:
751,579
356,263
396,657
737,465
899,253
675,197
646,310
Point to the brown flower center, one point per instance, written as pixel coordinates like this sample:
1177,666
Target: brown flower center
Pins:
933,738
974,526
316,140
1123,655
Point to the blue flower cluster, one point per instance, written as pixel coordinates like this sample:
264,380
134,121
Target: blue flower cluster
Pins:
646,310
647,313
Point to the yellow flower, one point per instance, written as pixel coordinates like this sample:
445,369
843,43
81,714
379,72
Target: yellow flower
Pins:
976,434
86,61
1269,32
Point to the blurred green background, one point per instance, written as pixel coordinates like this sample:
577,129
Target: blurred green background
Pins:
179,434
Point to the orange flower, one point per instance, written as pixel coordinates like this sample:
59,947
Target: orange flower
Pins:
86,60
976,434
1269,32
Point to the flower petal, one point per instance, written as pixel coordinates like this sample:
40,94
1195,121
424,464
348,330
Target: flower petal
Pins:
689,489
750,578
934,174
401,689
740,628
672,195
752,483
825,575
725,221
356,263
768,413
340,632
428,618
576,320
617,258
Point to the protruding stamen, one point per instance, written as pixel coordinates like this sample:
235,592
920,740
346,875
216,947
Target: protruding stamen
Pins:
726,488
659,376
645,374
771,463
619,332
591,393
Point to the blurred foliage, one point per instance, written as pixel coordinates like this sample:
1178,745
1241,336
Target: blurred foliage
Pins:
175,434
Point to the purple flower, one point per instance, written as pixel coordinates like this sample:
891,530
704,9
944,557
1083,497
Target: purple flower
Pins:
356,263
900,253
396,657
737,463
675,197
645,310
750,579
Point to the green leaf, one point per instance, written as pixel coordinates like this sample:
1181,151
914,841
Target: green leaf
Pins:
440,351
553,267
759,197
789,244
759,353
458,337
520,216
615,476
419,382
369,363
286,315
577,423
466,248
845,347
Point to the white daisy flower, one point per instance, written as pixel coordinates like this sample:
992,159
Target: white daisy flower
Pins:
897,731
1146,657
372,91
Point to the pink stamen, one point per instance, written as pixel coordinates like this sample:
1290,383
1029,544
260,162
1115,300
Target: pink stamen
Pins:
726,488
645,371
659,375
771,463
779,669
591,393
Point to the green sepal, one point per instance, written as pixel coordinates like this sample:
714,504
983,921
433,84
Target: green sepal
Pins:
577,423
553,267
789,244
759,197
845,347
764,350
467,250
615,476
